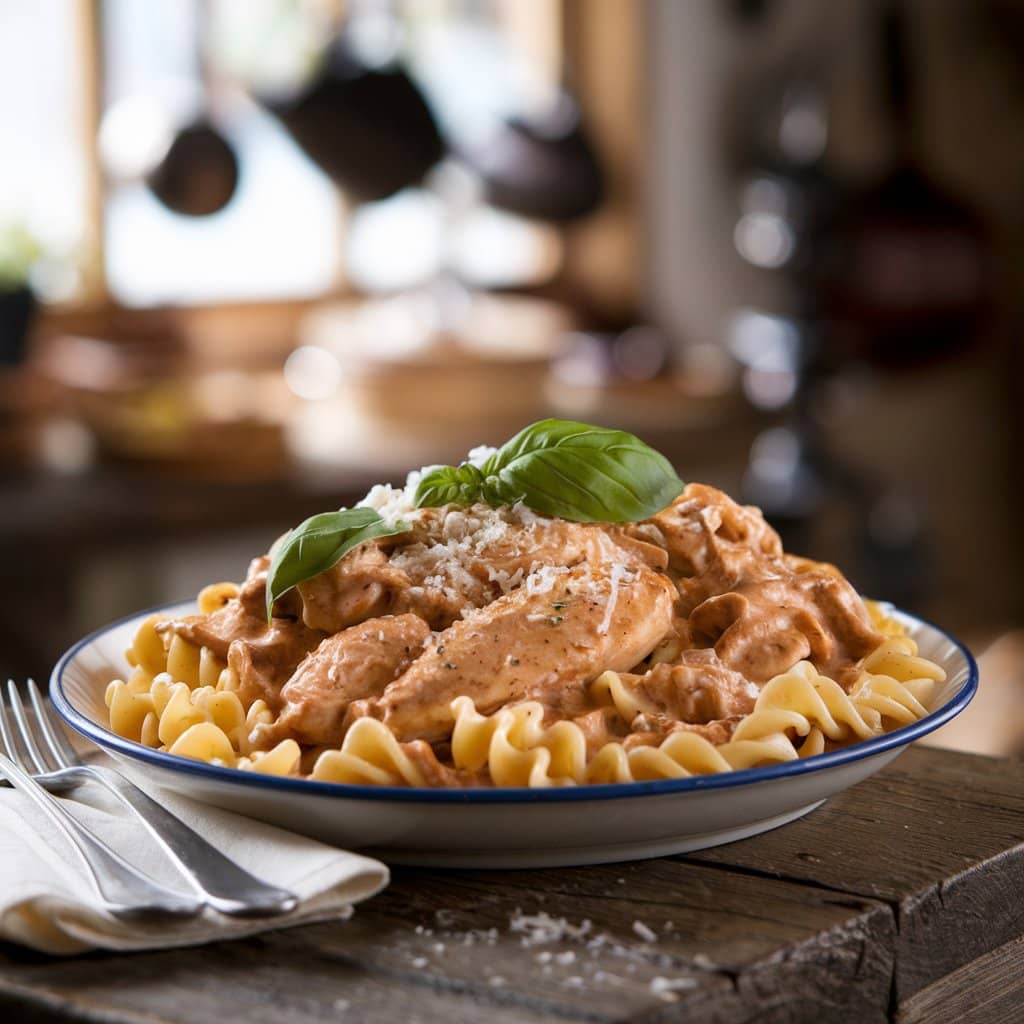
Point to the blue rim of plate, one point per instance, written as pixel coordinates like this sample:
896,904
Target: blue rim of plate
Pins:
510,795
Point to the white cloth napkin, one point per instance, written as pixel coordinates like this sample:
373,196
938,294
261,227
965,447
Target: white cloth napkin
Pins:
48,902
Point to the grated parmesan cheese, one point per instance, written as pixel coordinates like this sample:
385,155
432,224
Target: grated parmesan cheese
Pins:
480,454
394,503
527,516
507,582
543,928
619,574
453,556
450,551
450,556
667,988
400,502
544,578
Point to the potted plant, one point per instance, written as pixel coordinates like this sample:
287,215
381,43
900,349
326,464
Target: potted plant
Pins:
18,254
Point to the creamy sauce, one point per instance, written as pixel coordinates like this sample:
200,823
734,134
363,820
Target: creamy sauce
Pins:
695,609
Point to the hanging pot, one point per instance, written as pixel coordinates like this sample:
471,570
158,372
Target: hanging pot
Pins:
369,129
545,168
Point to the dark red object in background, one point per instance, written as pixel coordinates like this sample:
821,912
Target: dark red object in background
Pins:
905,263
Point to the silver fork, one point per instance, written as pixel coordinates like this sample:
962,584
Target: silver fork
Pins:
222,884
124,890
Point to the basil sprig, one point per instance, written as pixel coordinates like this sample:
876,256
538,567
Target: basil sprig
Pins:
555,467
561,468
319,543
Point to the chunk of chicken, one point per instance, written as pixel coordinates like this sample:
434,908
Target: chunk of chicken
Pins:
761,610
697,689
542,642
263,655
356,663
713,543
242,616
765,627
359,587
262,664
454,560
501,545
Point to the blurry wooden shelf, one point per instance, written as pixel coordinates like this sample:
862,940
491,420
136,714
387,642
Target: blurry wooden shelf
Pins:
25,397
114,503
663,404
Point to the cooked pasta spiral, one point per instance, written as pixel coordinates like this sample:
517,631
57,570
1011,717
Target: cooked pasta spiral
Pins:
182,699
796,715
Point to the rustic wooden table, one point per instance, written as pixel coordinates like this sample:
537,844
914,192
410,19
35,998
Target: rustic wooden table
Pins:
900,900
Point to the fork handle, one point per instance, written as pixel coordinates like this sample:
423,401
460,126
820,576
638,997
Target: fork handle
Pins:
225,886
123,887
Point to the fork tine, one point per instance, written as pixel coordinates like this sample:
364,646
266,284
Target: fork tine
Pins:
60,749
6,739
12,749
35,755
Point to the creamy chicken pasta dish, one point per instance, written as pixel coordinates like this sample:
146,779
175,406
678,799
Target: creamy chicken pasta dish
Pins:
485,644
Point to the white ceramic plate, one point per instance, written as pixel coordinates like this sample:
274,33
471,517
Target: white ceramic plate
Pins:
507,827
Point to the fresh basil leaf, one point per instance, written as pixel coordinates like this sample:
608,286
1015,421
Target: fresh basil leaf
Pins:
449,485
319,543
566,469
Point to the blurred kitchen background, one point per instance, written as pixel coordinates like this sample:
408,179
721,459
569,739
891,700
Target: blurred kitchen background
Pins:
256,255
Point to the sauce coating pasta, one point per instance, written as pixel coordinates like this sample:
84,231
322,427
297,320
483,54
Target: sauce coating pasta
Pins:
497,647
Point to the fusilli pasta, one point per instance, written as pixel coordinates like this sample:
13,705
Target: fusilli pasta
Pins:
184,701
487,644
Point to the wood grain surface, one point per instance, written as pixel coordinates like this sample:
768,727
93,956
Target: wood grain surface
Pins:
896,901
940,839
989,990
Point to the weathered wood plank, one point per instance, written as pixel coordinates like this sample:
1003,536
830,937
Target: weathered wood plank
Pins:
889,888
607,943
808,984
989,990
256,981
938,835
635,924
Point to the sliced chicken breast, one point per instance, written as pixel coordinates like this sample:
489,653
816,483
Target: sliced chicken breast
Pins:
356,663
545,641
